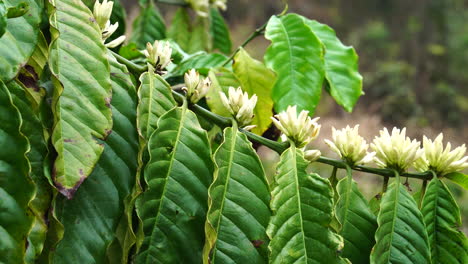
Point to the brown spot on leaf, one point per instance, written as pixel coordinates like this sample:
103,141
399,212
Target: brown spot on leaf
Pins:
257,243
29,78
107,133
92,20
108,101
68,140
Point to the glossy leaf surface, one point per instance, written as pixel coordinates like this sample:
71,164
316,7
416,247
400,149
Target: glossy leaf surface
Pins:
82,71
16,188
341,67
442,217
296,55
358,223
238,206
173,207
256,78
401,236
20,38
302,207
90,219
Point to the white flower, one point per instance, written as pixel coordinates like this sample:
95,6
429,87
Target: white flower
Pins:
299,129
239,105
108,31
221,4
196,87
102,12
441,161
312,154
395,151
158,54
351,147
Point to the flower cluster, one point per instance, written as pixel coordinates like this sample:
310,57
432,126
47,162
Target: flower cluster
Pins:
240,106
102,13
396,150
158,55
441,161
196,87
300,129
350,146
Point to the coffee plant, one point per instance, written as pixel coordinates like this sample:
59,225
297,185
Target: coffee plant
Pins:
142,152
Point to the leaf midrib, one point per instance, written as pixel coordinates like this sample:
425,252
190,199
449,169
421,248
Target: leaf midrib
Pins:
228,176
296,178
395,210
174,151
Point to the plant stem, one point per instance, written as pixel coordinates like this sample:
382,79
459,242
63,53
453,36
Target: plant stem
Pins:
333,179
385,184
280,147
173,2
259,31
133,67
423,192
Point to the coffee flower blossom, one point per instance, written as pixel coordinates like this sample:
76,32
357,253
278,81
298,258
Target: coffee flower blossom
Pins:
300,129
350,146
441,161
196,87
102,13
312,154
158,54
221,4
395,151
240,106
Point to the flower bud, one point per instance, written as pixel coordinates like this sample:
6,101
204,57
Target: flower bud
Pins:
196,87
441,161
158,54
102,12
299,129
395,151
239,105
312,155
351,147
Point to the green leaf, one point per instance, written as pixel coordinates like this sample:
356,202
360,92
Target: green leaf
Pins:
19,10
16,188
303,209
179,30
173,207
257,79
20,38
401,236
3,18
82,95
30,74
458,178
130,51
200,39
341,67
148,26
221,80
31,127
442,217
155,99
358,223
220,32
296,55
239,211
201,62
90,219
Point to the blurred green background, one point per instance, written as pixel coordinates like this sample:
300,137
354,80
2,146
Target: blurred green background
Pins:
413,57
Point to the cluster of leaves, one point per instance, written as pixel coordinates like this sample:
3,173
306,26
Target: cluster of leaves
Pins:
103,162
